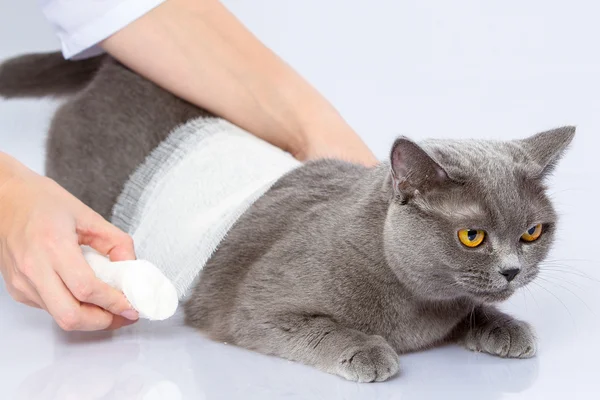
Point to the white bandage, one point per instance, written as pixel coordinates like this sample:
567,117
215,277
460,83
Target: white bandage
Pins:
182,200
150,293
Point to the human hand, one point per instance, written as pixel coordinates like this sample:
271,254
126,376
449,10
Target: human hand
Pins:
41,260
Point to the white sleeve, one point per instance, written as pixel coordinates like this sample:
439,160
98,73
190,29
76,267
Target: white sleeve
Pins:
82,24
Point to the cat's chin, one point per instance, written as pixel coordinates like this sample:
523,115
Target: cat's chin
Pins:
493,297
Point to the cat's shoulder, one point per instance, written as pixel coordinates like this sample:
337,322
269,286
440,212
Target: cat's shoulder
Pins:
313,184
322,175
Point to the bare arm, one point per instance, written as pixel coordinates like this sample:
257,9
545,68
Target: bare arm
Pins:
199,51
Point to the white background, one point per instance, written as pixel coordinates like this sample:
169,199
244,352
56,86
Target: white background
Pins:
428,68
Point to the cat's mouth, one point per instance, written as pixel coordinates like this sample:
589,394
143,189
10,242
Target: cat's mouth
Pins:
492,296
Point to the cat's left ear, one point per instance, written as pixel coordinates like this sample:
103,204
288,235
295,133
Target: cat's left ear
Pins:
413,170
545,149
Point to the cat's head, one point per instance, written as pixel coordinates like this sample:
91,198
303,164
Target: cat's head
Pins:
471,218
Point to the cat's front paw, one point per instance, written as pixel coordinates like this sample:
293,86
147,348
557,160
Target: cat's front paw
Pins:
504,338
374,361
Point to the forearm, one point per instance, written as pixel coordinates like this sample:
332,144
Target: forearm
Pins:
199,51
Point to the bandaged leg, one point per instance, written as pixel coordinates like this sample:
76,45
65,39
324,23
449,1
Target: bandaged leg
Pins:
144,285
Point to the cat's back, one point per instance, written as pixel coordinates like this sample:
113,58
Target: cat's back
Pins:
316,182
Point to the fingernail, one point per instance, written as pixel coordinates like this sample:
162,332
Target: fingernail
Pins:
130,314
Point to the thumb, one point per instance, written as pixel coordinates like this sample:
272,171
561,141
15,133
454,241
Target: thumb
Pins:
104,237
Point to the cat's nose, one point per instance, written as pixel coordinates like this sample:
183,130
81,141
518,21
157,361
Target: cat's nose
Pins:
510,274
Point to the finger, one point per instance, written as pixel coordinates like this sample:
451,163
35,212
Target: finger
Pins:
23,292
32,299
33,295
31,304
68,313
107,239
80,279
120,322
23,299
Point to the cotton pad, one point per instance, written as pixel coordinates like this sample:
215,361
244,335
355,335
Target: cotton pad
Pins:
150,293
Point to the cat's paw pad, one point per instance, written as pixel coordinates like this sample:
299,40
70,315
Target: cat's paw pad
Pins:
510,339
375,361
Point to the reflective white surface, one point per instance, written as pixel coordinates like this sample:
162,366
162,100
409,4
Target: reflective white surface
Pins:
425,69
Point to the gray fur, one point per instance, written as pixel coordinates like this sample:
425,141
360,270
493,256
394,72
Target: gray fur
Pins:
101,134
45,75
339,266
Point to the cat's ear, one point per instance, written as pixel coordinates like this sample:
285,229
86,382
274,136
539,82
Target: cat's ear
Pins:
413,170
545,149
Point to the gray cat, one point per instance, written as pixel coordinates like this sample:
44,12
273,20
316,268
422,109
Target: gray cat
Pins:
337,266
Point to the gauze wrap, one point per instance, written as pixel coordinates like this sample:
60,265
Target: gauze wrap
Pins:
181,202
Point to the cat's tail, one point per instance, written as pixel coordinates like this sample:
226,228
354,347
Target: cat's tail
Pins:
45,74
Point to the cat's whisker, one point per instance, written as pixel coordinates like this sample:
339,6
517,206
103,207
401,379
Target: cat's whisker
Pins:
567,263
525,301
473,275
564,266
566,274
559,269
546,275
552,194
472,319
570,291
560,260
557,298
533,297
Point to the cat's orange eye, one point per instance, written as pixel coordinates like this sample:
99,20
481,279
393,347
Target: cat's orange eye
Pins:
532,233
471,237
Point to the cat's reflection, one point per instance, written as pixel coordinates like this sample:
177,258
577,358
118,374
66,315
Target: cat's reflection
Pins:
138,362
164,361
81,378
226,372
